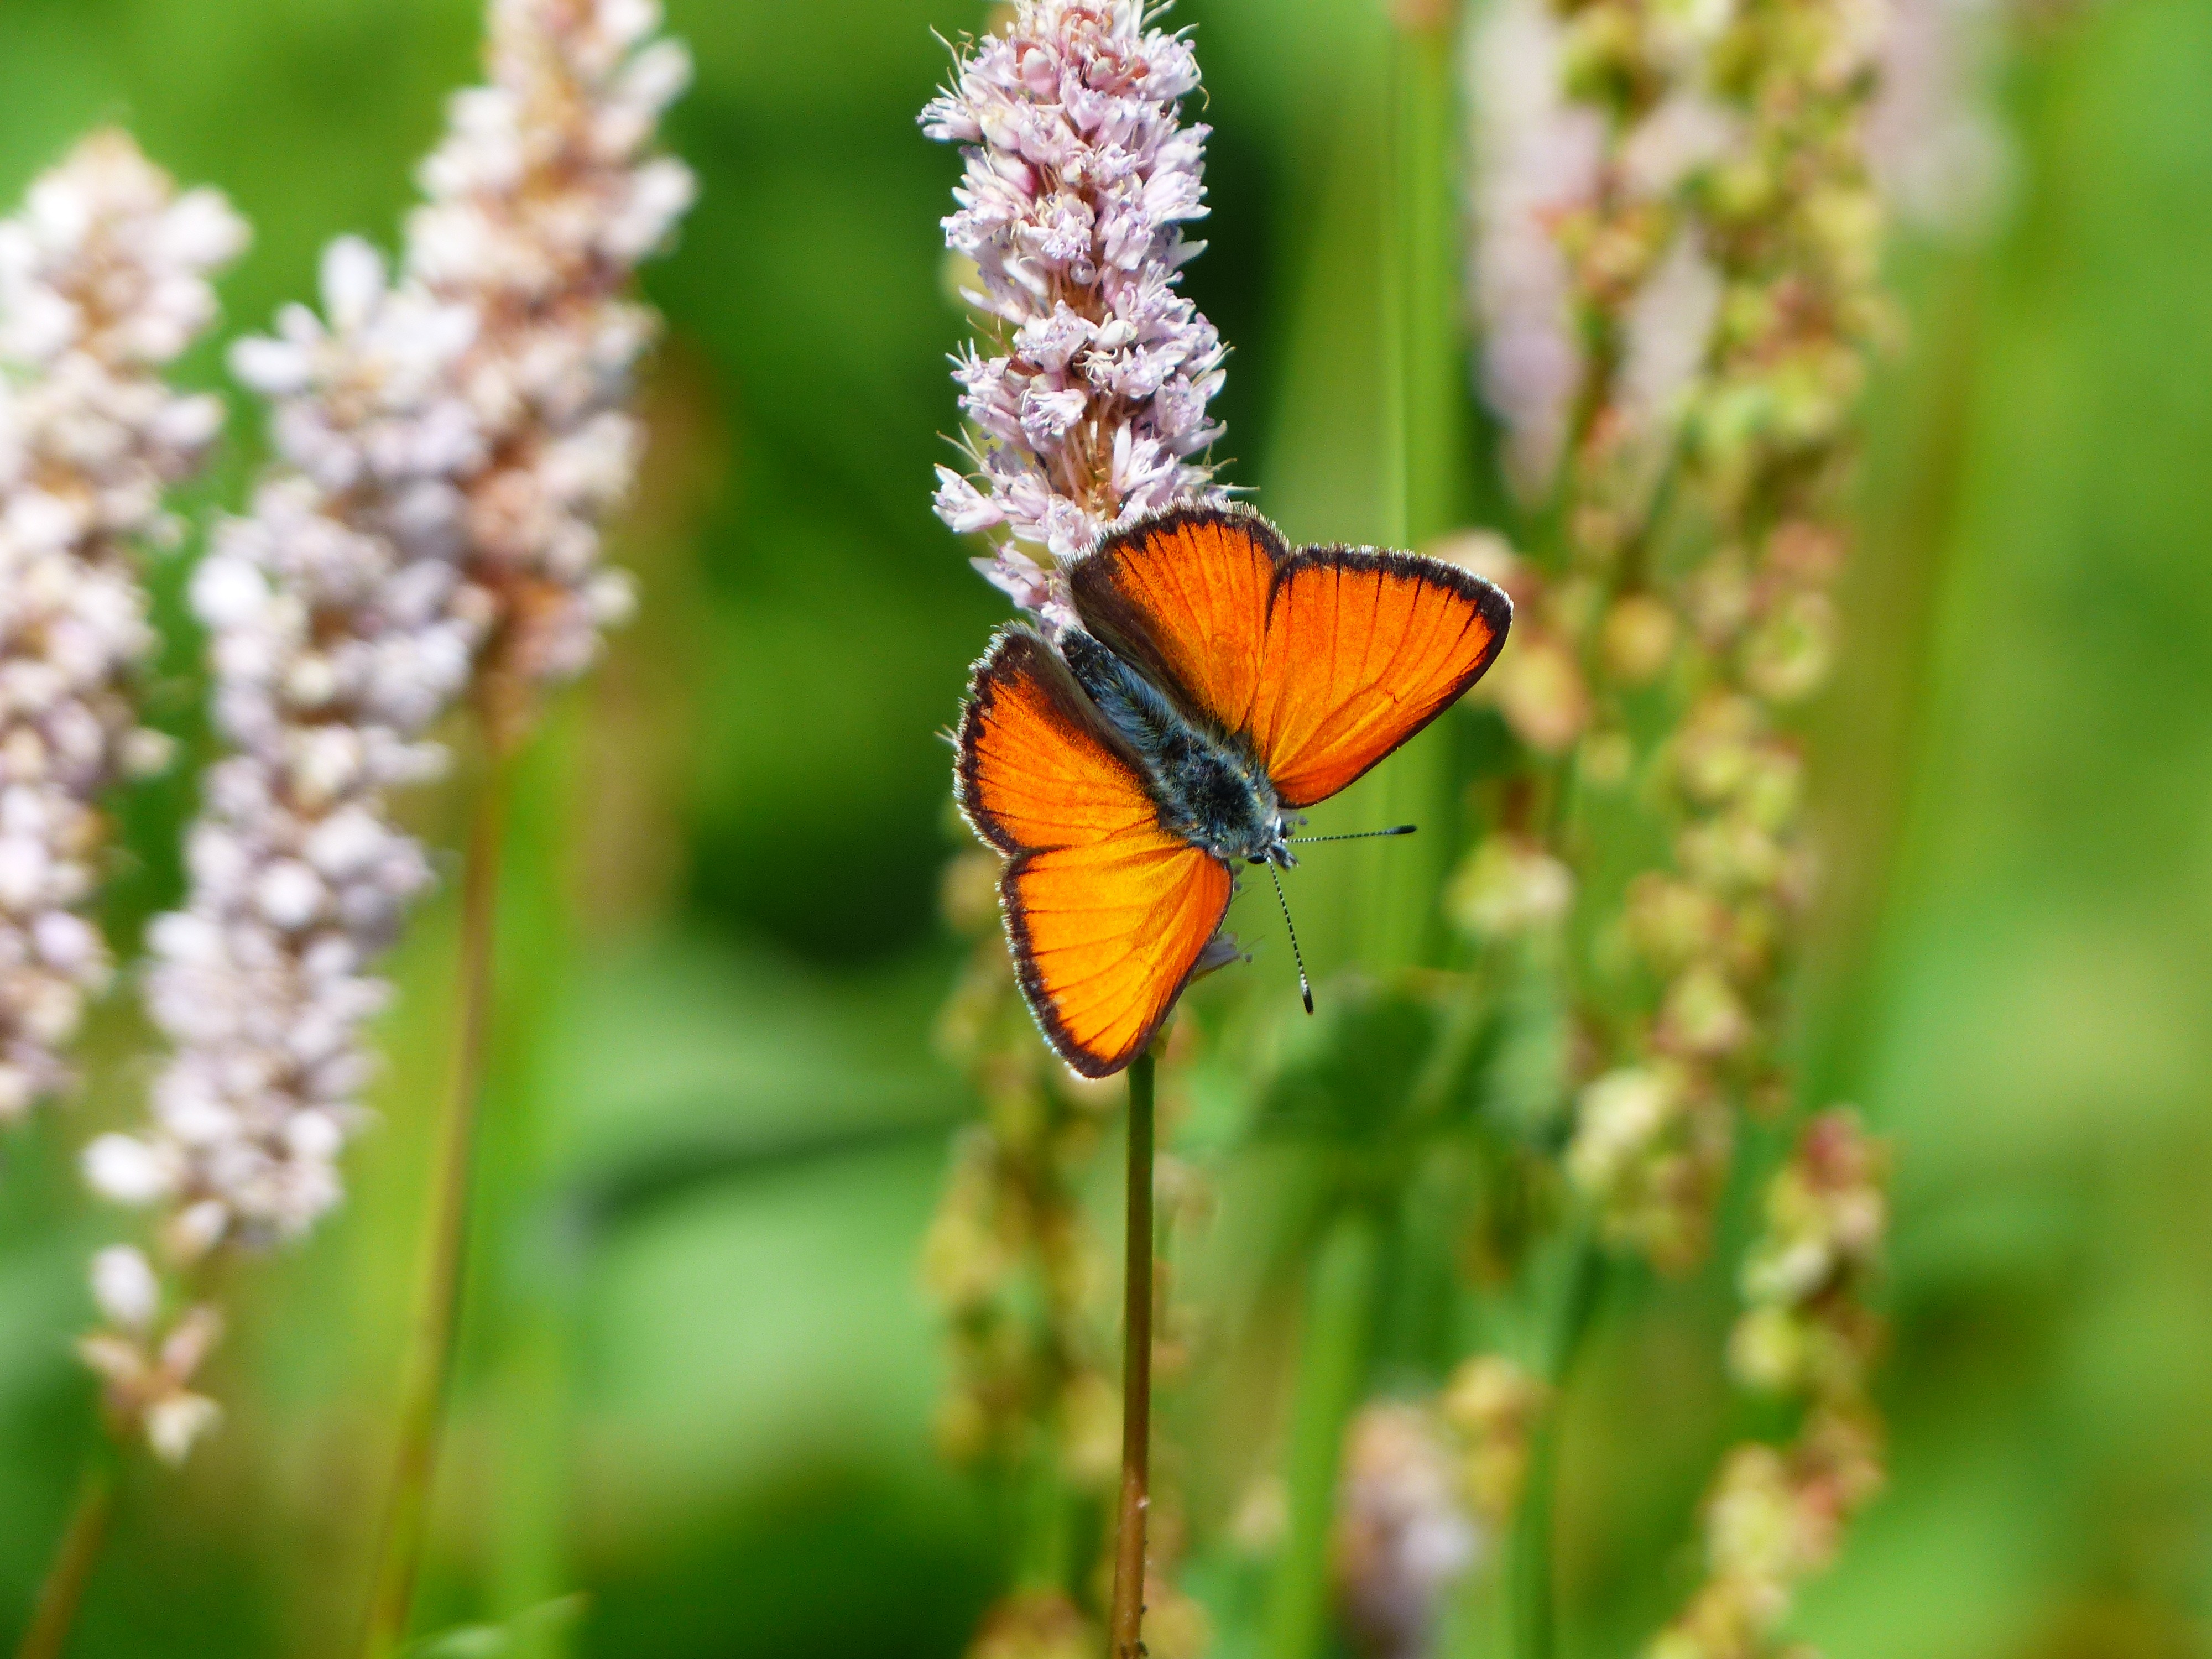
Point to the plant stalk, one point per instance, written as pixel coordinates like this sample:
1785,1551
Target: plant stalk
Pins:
430,1361
63,1590
1126,1627
1423,443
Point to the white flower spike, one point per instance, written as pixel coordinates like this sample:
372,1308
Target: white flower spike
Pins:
450,435
104,280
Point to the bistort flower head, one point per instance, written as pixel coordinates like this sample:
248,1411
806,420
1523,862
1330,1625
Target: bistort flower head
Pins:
1537,155
104,281
1087,404
450,439
1403,1533
1947,161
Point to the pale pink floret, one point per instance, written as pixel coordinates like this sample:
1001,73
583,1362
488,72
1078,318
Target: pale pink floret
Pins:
1090,405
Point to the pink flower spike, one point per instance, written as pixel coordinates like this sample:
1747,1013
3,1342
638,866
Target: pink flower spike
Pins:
1088,406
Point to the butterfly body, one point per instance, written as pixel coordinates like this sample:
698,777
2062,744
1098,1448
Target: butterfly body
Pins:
1217,682
1211,790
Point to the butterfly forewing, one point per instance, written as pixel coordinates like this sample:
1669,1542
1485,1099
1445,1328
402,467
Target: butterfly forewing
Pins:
1364,649
1184,597
1106,912
1323,660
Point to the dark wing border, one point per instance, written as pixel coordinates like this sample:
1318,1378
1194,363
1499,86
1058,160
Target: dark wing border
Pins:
1490,602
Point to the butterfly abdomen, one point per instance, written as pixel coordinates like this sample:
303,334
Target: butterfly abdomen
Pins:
1210,790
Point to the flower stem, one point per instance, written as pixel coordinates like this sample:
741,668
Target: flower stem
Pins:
1127,1626
430,1360
1429,375
58,1597
1422,445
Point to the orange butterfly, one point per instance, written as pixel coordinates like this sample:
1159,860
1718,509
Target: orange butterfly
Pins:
1219,682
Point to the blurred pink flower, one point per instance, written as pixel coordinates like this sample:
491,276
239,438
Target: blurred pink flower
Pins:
450,439
1538,155
104,281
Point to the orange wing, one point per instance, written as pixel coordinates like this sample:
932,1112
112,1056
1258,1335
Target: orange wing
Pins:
1184,596
1106,912
1364,650
1325,659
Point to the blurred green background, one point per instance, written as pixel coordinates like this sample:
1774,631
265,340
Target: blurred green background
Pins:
698,1371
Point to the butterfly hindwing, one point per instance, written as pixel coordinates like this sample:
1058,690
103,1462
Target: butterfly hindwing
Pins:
1105,938
1325,660
1037,767
1106,912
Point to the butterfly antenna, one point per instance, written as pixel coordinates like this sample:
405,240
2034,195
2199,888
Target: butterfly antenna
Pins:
1305,989
1357,834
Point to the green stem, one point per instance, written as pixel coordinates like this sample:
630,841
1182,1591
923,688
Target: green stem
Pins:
1534,1594
1331,1371
1422,451
63,1590
527,1564
520,1319
1429,377
1127,1626
430,1361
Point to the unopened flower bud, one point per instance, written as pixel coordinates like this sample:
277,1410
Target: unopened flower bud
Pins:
1702,1015
1508,887
175,1423
1670,922
1607,760
1788,655
1638,638
1716,750
1766,1349
1539,689
124,1285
